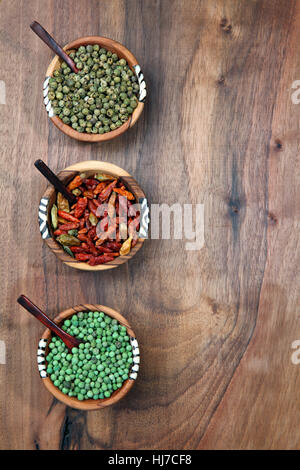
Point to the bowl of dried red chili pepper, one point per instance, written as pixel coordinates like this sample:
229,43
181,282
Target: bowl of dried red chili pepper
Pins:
105,227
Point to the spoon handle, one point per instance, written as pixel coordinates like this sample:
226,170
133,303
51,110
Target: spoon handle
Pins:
69,340
52,178
45,36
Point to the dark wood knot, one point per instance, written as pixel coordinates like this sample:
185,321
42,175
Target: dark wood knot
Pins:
272,218
226,27
221,80
234,207
278,144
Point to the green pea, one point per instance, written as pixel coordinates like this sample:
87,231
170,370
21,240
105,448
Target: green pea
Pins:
94,369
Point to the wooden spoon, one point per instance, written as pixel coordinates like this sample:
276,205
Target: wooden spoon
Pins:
45,36
52,178
69,340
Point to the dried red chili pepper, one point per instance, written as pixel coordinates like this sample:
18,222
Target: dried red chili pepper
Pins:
124,193
67,216
92,233
99,188
108,252
88,243
82,256
113,245
133,231
60,220
75,183
97,203
92,248
90,182
95,260
111,205
70,226
89,194
77,249
85,246
80,207
103,249
106,192
92,207
59,232
82,237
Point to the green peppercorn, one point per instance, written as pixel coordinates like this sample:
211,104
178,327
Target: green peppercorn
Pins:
100,97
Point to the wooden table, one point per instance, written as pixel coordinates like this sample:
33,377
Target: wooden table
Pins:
215,326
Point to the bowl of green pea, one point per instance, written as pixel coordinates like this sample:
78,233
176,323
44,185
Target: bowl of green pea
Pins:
104,367
104,99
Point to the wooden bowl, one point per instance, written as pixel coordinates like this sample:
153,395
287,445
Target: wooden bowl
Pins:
89,404
49,197
123,53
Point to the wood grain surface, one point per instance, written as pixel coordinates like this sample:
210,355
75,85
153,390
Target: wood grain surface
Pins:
215,326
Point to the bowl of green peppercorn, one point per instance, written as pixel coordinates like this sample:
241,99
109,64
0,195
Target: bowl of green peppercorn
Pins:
104,99
101,370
